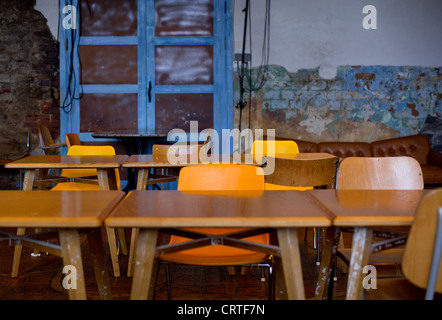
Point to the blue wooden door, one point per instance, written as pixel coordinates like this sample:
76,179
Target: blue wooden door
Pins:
146,64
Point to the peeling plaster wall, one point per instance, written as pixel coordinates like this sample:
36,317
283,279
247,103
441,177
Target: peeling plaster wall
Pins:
362,103
395,85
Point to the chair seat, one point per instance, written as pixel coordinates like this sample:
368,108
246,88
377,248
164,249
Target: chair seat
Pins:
74,186
78,173
216,255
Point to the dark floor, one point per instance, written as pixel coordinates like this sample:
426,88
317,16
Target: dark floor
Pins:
40,279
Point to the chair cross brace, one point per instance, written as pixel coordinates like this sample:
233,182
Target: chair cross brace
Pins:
230,239
388,244
34,241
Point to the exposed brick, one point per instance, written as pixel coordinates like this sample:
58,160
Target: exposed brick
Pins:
29,78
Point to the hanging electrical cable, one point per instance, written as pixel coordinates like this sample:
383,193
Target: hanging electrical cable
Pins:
257,81
72,46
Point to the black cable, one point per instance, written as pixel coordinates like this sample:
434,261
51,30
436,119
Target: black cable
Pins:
72,79
260,78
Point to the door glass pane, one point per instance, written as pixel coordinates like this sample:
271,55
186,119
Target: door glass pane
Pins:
109,64
177,110
183,65
174,18
109,18
107,112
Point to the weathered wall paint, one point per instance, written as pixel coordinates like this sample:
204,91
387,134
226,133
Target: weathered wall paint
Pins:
362,103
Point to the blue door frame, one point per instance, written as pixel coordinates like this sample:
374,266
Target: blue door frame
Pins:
71,89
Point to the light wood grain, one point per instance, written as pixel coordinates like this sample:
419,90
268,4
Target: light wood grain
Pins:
370,207
162,161
398,173
57,209
62,161
178,209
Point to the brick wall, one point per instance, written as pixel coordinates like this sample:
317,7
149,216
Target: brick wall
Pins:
29,85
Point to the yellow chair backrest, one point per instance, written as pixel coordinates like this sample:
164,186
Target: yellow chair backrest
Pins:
82,150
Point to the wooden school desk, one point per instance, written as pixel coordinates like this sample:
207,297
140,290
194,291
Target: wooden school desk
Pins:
67,212
153,211
364,210
105,166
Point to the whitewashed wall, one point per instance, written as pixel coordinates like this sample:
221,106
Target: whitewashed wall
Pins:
310,33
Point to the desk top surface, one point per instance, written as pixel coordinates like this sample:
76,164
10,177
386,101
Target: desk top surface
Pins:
56,209
176,209
370,207
62,161
148,160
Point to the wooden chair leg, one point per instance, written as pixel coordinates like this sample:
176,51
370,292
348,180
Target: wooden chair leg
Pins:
231,270
36,253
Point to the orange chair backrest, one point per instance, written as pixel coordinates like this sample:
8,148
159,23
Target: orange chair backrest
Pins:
388,173
221,177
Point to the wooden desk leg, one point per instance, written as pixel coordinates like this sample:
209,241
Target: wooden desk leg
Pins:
107,181
143,176
28,180
133,240
103,179
17,254
28,183
327,261
291,263
112,240
71,253
144,263
360,252
99,261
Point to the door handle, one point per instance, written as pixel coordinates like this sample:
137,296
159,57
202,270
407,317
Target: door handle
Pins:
149,92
